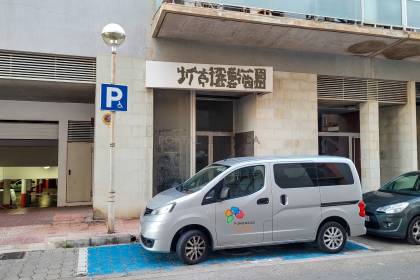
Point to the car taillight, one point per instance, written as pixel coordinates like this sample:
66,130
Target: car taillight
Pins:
362,209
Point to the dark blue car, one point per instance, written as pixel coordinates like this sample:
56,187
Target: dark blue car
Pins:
394,210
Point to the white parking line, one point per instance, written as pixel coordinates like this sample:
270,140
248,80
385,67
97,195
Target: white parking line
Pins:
82,262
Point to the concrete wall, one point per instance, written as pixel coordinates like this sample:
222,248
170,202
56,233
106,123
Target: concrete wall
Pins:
134,142
287,119
16,173
71,27
398,137
46,111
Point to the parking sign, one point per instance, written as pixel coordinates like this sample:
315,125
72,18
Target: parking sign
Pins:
114,97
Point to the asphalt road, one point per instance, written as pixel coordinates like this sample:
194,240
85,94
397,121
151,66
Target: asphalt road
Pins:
387,260
389,265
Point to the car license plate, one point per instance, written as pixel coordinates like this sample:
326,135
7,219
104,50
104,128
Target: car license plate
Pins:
367,218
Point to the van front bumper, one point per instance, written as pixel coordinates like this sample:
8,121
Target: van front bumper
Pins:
155,236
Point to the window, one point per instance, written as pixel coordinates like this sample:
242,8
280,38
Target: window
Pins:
295,175
202,178
333,174
406,184
244,181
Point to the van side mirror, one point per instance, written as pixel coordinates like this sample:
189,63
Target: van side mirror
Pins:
224,193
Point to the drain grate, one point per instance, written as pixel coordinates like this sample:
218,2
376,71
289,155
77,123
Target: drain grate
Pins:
12,256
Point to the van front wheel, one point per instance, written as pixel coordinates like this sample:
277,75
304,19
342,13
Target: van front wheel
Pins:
192,247
332,238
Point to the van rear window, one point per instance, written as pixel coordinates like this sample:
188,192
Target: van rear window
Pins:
332,174
305,175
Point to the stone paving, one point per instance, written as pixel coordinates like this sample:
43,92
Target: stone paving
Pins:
32,228
41,265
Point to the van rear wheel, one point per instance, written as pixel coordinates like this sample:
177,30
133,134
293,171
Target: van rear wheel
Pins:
331,238
192,247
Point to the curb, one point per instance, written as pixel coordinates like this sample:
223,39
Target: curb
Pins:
108,239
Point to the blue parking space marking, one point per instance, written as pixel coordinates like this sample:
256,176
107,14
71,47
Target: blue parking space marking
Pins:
132,257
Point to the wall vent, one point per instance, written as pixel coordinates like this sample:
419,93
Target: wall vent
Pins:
37,66
360,90
80,131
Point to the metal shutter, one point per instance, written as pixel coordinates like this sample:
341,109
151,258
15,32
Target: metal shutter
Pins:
360,90
36,66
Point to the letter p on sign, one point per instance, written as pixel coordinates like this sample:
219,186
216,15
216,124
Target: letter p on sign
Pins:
114,97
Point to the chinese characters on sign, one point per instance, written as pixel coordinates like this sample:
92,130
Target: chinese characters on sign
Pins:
223,77
209,77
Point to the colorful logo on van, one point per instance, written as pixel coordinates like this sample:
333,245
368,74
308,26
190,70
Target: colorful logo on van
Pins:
232,213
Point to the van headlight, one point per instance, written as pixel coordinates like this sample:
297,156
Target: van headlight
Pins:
163,210
393,208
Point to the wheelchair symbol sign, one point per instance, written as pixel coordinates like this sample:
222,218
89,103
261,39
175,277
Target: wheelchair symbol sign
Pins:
114,97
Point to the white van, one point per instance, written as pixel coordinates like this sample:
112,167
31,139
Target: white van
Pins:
244,202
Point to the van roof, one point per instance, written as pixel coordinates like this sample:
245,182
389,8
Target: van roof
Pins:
256,160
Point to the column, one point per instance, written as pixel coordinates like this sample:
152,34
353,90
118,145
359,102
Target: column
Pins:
369,144
26,185
398,137
133,162
6,192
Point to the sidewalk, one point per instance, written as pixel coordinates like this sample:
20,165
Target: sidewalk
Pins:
45,228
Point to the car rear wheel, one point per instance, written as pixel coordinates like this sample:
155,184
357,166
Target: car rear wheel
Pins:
192,247
332,238
413,235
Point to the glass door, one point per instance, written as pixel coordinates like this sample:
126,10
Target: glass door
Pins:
212,147
341,144
213,131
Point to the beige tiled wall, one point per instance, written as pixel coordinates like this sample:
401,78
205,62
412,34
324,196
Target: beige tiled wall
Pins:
286,120
134,140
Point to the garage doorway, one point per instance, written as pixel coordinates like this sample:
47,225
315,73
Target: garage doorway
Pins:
29,164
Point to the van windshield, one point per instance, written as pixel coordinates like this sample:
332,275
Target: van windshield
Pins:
199,180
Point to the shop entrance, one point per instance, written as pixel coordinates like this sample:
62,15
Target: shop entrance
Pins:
340,144
194,129
339,132
214,131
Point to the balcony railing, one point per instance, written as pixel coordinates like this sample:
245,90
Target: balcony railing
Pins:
400,14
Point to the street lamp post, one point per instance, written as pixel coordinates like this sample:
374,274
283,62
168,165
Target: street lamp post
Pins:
113,35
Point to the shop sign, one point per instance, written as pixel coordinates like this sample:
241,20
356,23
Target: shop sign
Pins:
211,77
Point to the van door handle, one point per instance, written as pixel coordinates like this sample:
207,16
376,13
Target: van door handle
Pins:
284,200
264,200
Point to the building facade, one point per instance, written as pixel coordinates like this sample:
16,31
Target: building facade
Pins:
208,81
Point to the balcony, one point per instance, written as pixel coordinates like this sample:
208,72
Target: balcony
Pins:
374,28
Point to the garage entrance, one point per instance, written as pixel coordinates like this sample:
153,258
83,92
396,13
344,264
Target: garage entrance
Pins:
29,164
46,147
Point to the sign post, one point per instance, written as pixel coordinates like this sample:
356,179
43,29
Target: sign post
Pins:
113,98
